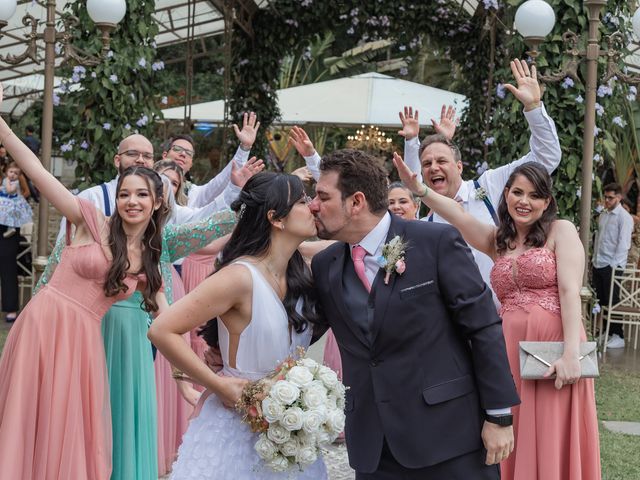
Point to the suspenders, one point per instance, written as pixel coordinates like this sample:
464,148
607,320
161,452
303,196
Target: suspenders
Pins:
487,203
105,197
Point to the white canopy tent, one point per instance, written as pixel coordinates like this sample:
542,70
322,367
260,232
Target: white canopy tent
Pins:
367,99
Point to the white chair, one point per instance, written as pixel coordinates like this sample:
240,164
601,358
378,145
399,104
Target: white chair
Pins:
626,310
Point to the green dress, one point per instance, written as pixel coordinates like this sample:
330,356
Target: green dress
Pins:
129,356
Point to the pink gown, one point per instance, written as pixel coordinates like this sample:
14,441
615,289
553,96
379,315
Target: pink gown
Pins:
173,410
556,431
55,419
195,269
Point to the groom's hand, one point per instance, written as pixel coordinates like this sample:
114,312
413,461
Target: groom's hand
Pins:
498,441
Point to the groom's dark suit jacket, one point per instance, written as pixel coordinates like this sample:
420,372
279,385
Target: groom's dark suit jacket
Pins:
422,356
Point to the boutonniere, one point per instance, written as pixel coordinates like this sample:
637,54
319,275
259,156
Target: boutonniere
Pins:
481,194
392,258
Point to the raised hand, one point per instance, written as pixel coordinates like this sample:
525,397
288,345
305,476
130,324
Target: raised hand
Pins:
410,123
250,126
528,90
240,176
407,177
448,122
303,174
301,142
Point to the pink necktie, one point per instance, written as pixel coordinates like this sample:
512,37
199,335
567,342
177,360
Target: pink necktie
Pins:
357,254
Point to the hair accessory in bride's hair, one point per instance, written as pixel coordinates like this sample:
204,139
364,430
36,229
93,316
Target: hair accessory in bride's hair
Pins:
243,207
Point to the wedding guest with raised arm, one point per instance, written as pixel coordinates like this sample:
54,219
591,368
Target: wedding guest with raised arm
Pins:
181,149
423,354
438,161
537,275
263,297
55,420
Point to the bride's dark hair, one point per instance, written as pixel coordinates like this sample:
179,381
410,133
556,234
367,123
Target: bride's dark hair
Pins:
265,192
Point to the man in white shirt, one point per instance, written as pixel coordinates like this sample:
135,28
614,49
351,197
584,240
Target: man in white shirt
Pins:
611,248
181,149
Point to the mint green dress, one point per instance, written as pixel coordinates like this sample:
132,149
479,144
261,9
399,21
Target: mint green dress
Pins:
130,360
129,356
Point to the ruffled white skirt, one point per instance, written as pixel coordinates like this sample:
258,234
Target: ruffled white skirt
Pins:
218,445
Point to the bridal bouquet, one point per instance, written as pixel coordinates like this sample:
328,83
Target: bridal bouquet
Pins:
297,409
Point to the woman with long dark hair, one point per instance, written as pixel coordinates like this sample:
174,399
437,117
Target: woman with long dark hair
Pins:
55,420
537,276
263,297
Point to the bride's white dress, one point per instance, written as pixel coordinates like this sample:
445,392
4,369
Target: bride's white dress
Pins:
217,445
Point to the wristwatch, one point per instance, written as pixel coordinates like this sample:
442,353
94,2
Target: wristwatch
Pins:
505,420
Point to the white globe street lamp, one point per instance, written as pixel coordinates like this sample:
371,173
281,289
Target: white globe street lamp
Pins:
535,18
7,9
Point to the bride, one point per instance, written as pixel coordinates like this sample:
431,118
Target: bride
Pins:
263,296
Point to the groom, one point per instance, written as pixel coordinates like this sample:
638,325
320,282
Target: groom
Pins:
423,355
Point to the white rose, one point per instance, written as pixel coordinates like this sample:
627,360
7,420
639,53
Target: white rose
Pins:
313,420
331,402
328,377
300,376
309,363
314,395
278,464
335,421
278,434
324,438
290,448
265,448
284,392
339,389
292,419
306,455
305,438
272,409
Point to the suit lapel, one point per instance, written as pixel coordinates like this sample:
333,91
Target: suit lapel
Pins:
379,290
335,280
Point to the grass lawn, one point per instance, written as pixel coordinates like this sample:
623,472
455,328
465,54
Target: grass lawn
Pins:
617,398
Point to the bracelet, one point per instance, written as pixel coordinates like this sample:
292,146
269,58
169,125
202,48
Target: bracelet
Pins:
424,192
178,374
245,149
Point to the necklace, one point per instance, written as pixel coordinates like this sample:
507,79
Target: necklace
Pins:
275,279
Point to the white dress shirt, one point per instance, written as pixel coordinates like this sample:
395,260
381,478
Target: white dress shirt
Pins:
614,238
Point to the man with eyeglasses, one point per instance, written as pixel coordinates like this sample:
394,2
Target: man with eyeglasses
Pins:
615,227
181,149
438,161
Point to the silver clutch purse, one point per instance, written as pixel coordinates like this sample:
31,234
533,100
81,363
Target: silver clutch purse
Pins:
537,357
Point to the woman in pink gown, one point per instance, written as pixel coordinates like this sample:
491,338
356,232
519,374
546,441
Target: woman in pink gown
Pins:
537,276
55,421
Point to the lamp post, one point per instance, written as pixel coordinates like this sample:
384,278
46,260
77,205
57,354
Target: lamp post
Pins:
106,14
534,20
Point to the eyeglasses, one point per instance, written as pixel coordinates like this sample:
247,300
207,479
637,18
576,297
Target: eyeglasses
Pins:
179,149
136,154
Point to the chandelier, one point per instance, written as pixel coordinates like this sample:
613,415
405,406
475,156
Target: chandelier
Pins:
370,139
